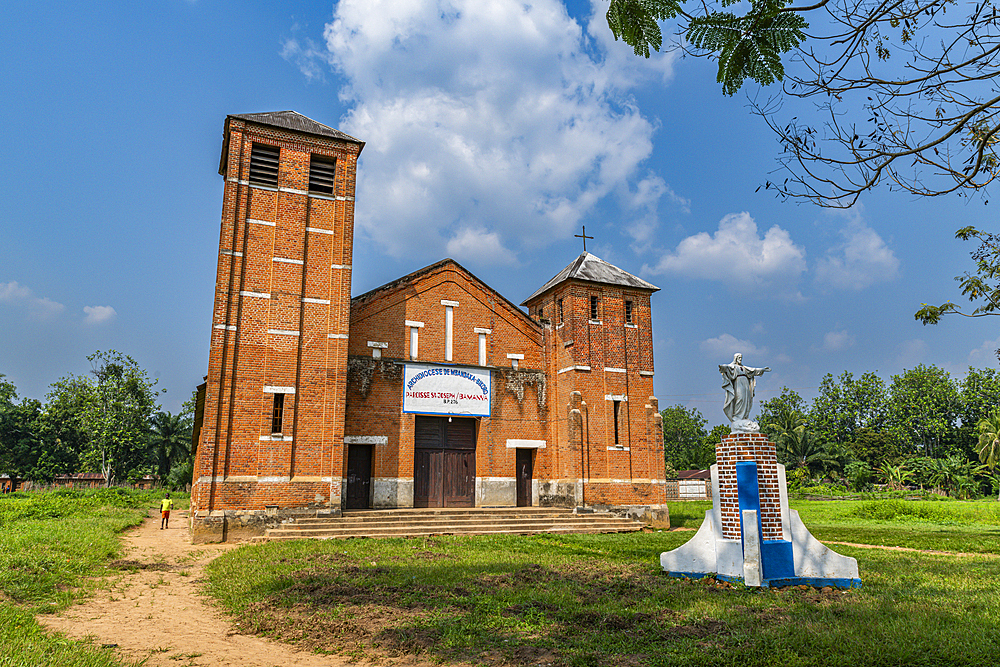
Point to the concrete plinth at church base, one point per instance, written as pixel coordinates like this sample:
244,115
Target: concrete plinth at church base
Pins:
242,525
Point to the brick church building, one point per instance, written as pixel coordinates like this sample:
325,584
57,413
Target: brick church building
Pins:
433,390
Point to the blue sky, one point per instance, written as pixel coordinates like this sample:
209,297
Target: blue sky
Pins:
494,131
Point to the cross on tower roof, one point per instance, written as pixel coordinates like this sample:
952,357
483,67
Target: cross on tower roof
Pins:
584,237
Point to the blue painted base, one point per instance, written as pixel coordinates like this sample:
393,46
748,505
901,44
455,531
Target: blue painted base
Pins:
817,582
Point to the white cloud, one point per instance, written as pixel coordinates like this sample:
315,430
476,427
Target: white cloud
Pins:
479,246
739,257
98,314
835,341
726,345
985,355
862,260
503,116
41,308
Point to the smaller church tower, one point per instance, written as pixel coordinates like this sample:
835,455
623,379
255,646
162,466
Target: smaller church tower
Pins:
599,342
271,441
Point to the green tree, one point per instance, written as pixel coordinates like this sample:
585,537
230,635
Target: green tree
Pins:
170,441
896,476
989,441
876,448
981,287
923,408
846,406
903,90
778,409
118,416
684,436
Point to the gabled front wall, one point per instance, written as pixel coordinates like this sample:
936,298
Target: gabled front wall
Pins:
375,391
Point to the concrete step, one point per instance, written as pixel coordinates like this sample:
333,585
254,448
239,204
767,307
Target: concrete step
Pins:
421,522
556,530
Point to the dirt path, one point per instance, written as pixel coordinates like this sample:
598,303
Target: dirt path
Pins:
919,551
153,611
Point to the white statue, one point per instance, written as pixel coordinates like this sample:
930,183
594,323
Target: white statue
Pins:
739,385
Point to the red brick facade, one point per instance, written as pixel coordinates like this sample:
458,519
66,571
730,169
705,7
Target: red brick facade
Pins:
576,390
737,447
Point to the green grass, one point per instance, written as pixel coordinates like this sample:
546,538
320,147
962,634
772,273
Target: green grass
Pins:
602,600
51,544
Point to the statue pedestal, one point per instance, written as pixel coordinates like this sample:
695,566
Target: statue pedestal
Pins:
750,534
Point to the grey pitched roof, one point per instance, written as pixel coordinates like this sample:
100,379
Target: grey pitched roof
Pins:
593,269
292,120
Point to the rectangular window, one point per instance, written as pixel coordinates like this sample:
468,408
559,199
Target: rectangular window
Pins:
593,308
560,312
482,349
618,407
414,340
628,312
541,313
264,165
321,172
277,412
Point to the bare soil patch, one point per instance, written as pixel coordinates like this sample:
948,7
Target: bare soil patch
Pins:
152,610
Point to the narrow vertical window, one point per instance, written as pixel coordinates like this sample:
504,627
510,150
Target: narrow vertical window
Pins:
264,165
321,173
449,327
560,311
541,313
482,349
277,412
414,332
593,307
628,312
618,406
449,324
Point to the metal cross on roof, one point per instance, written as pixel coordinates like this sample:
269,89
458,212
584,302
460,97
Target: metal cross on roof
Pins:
584,237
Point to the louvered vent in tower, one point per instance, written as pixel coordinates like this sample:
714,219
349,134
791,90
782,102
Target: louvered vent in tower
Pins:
321,172
264,165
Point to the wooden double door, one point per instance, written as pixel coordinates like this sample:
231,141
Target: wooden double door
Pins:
444,462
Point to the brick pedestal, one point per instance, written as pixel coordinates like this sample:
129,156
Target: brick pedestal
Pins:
736,448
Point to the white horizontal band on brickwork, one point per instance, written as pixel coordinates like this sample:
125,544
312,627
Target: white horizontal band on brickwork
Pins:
230,252
343,336
275,438
231,327
275,389
515,356
613,370
595,322
240,478
631,326
285,260
319,231
261,222
514,443
340,266
446,302
259,295
411,323
646,374
380,345
618,449
326,479
307,299
573,368
315,195
616,397
366,440
283,332
293,191
497,479
482,330
272,480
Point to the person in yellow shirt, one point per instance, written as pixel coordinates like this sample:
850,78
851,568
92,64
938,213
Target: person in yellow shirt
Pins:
165,506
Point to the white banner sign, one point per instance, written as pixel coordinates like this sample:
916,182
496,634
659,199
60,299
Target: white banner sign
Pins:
446,390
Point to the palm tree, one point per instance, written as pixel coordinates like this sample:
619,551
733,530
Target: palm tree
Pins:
170,441
989,441
798,444
896,477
